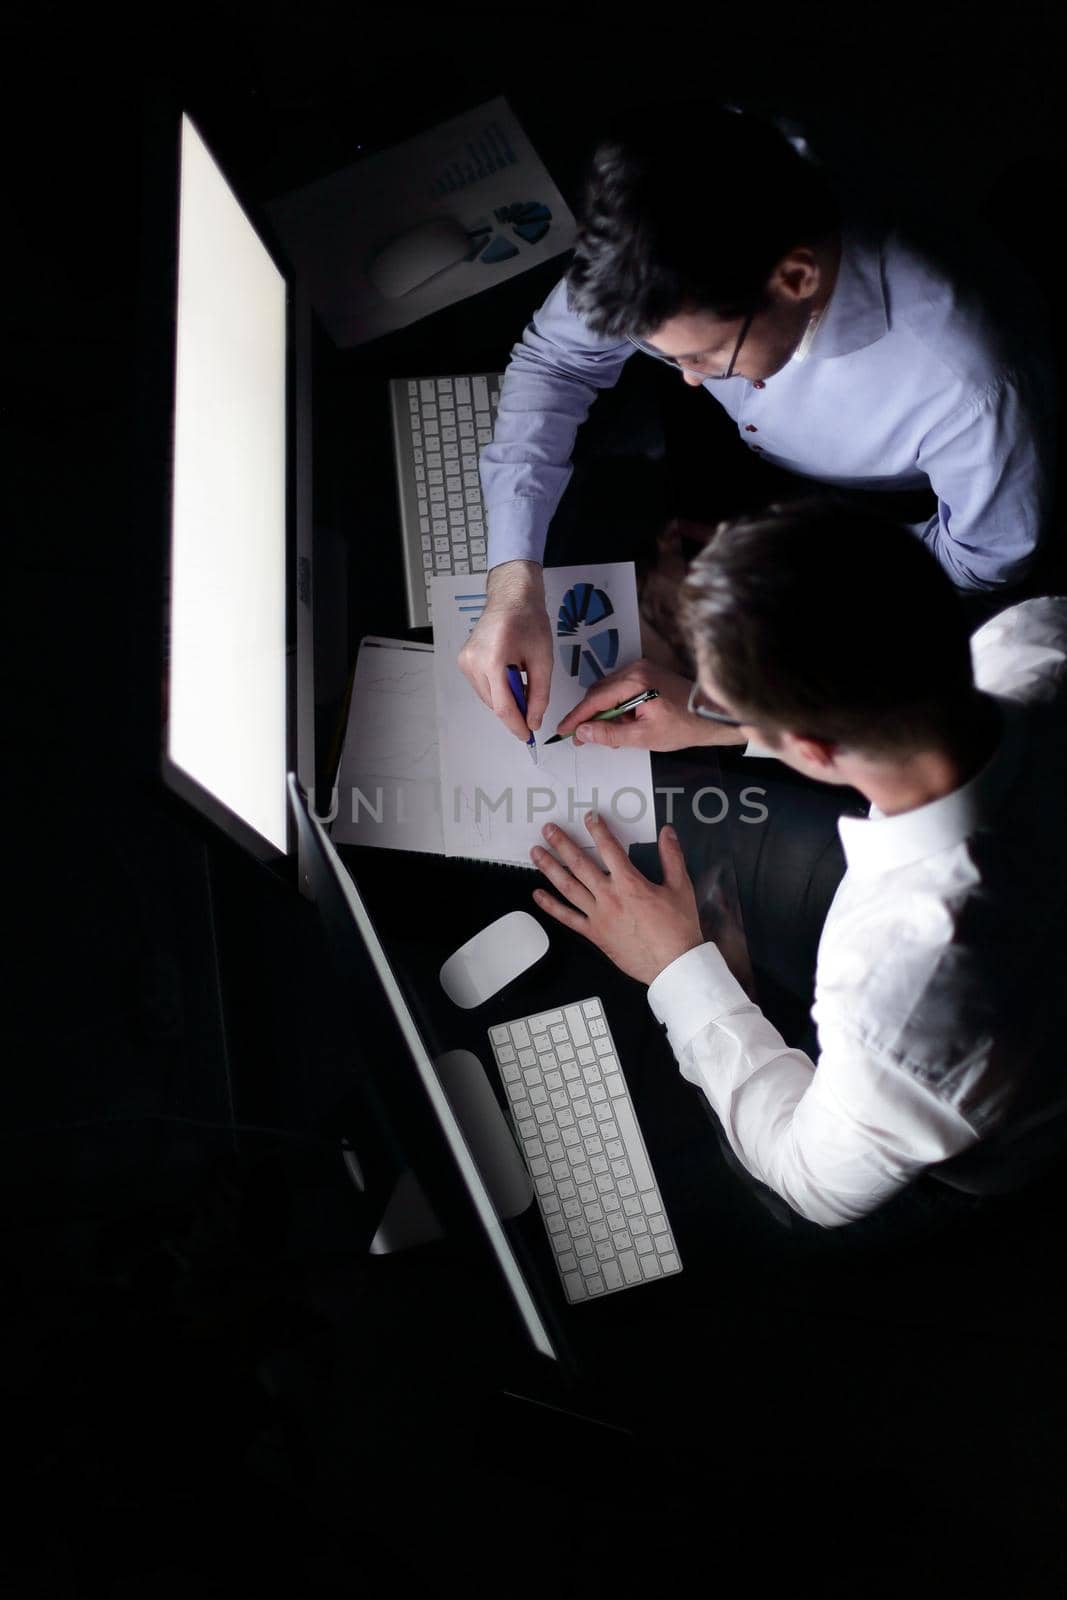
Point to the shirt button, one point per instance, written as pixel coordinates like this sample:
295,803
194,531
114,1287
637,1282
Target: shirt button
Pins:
758,383
750,427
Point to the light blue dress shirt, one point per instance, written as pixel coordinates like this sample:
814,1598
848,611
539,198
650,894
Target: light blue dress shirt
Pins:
911,381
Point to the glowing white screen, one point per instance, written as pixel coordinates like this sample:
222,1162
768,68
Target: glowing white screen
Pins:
227,702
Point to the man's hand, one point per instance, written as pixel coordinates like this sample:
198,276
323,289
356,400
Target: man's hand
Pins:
641,926
662,724
512,630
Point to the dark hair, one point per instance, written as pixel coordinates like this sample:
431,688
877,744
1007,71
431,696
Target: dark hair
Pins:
833,623
690,208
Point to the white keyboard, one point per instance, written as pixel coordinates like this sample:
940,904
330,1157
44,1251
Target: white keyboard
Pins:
571,1109
439,428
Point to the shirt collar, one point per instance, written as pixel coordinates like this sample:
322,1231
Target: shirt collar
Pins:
878,844
855,314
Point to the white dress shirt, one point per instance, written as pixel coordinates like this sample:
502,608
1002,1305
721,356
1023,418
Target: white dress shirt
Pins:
941,979
912,380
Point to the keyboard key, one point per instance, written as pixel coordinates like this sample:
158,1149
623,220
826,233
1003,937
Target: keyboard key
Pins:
632,1139
554,1151
538,1166
669,1262
621,1241
427,391
550,1205
631,1271
583,1246
558,1224
650,1266
560,1170
605,1252
545,1186
568,1262
480,391
643,1245
462,390
658,1225
576,1025
612,1274
596,1285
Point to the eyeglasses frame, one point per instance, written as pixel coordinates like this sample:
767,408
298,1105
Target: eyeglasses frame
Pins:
679,366
710,716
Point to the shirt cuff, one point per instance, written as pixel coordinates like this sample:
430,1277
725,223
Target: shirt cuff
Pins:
517,532
692,992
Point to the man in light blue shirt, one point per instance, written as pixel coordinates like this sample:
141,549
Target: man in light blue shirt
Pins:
844,353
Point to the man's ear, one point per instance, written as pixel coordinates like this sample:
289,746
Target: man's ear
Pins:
816,752
797,274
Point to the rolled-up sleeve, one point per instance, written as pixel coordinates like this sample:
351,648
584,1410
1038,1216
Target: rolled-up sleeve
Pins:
835,1141
552,379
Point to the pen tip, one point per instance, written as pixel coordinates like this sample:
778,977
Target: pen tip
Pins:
554,738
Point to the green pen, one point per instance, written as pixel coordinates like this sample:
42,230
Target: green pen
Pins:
610,715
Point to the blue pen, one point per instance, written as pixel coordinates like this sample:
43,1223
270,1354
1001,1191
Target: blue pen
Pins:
518,689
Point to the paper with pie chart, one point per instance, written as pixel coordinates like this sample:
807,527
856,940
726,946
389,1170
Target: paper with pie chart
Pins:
494,800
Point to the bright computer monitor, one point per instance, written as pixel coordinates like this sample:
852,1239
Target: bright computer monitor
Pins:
236,689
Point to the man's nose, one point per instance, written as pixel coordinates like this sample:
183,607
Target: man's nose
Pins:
693,379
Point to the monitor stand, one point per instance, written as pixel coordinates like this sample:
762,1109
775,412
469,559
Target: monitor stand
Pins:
408,1218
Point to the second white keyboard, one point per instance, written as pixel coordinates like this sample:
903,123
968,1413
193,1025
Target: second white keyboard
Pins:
599,1199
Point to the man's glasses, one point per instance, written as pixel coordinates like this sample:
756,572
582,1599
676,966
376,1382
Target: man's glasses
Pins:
673,361
700,705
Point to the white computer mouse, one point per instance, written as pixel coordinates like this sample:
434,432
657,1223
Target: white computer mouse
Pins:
493,958
416,256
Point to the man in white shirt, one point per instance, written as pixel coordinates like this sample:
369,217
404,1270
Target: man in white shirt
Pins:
940,1005
840,349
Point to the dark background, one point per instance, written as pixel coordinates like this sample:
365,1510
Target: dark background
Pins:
204,1386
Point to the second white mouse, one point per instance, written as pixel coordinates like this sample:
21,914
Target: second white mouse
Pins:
493,958
416,256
